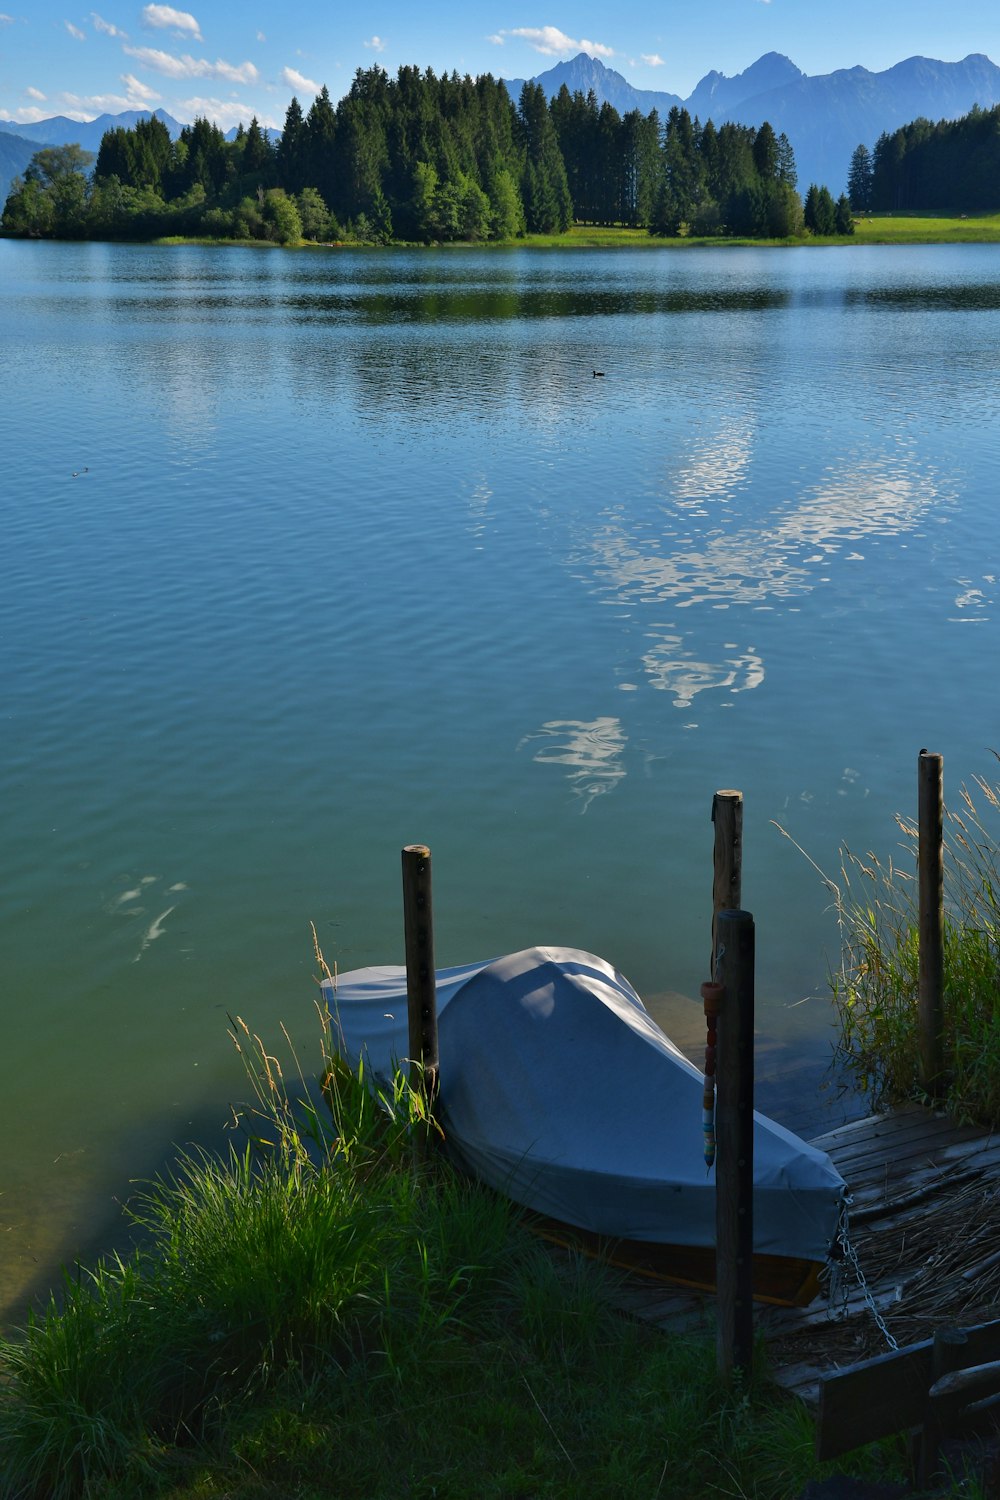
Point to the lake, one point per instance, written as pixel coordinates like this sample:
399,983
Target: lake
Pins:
308,556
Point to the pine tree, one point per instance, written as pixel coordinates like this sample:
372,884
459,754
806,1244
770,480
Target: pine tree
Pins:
859,180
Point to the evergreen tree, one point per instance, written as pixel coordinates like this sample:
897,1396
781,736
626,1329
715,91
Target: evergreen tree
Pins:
820,211
859,180
321,133
292,150
787,171
545,191
843,216
765,153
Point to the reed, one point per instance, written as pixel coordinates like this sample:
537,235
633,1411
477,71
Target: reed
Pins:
876,985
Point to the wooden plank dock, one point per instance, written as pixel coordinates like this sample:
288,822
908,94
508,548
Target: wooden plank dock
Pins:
925,1223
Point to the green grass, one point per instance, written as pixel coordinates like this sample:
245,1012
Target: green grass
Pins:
883,229
327,1312
876,987
926,229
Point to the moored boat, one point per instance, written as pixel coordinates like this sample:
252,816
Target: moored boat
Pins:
559,1090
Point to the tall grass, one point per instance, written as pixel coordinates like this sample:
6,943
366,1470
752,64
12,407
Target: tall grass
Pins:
876,987
325,1311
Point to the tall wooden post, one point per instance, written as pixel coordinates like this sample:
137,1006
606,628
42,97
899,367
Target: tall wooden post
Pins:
930,870
734,1143
727,886
421,988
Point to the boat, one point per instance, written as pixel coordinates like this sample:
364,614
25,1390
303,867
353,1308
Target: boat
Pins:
558,1089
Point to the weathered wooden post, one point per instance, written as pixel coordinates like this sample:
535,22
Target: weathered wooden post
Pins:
949,1353
930,871
727,886
421,989
734,970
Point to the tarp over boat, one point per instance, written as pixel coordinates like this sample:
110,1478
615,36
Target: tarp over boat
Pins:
559,1089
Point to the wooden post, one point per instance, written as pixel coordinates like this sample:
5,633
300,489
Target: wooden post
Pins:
727,886
421,988
734,1143
949,1353
930,869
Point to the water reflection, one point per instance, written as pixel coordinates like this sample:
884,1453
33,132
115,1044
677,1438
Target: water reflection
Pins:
875,495
591,750
671,667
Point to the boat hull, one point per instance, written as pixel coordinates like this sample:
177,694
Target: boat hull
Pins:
559,1090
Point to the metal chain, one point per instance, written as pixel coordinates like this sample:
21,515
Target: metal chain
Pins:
837,1279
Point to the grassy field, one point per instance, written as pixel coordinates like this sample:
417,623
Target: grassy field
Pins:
927,229
894,229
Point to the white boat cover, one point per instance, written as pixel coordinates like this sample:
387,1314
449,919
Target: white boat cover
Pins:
559,1089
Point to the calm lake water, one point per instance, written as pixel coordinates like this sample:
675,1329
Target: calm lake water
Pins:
310,556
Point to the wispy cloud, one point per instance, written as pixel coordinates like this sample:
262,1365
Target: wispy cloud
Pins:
192,67
108,27
653,60
496,39
6,20
297,80
84,106
376,43
164,17
138,90
224,112
74,31
35,94
552,42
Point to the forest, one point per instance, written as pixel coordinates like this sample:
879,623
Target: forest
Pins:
422,158
952,166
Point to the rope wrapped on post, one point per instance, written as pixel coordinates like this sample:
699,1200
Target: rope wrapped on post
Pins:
711,995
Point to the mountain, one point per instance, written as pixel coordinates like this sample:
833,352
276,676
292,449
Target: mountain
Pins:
61,131
716,96
15,154
585,73
825,116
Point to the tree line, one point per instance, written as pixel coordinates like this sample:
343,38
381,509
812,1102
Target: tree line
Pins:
952,166
425,158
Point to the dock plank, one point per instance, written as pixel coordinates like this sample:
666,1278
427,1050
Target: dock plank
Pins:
926,1193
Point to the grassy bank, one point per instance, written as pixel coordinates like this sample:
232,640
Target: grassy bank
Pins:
902,229
320,1315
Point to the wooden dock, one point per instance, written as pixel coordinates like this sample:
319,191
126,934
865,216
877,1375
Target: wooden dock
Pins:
925,1223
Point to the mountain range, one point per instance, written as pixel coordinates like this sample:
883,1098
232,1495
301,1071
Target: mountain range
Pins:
825,116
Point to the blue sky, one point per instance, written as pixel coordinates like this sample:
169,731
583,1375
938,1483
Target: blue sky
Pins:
230,61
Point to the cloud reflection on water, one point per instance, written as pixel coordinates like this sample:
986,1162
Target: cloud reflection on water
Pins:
780,559
590,749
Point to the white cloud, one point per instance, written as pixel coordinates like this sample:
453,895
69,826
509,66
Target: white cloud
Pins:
298,81
74,31
165,17
496,39
261,37
6,20
84,107
552,42
192,67
376,44
653,60
224,112
28,116
100,24
137,90
35,94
